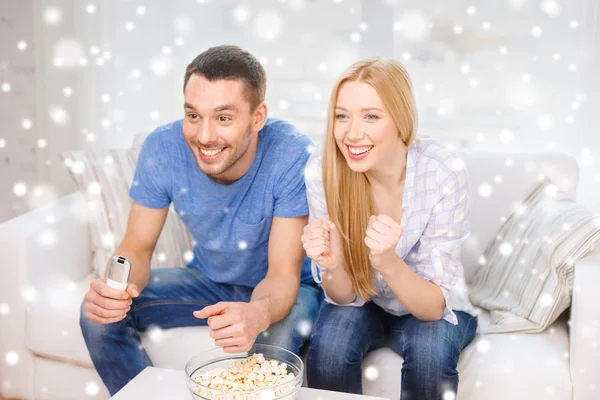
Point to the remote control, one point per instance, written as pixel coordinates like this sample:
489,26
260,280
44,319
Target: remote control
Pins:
118,272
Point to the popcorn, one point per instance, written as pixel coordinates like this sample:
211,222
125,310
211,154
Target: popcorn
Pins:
254,373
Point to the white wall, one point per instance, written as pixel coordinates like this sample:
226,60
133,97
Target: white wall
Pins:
521,89
18,153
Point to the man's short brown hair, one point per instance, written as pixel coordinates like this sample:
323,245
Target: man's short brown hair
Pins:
231,62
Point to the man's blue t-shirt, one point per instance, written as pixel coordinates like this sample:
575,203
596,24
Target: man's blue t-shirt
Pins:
230,224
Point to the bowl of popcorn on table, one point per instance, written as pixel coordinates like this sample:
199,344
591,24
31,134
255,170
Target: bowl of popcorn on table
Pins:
263,373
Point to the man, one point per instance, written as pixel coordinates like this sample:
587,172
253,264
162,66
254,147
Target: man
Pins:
237,180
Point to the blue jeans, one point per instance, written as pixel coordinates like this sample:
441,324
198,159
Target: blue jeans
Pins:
343,335
168,301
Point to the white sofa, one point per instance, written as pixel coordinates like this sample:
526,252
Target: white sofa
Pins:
45,263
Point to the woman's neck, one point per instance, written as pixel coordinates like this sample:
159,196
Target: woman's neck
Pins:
390,174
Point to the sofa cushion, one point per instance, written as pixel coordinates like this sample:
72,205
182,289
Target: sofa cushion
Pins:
527,277
493,367
52,324
499,181
104,177
60,380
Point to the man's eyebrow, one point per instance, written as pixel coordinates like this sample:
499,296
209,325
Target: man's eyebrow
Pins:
224,107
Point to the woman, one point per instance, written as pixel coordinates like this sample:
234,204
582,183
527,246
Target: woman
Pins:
388,213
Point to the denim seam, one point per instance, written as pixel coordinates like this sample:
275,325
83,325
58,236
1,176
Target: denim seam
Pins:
402,374
464,334
171,302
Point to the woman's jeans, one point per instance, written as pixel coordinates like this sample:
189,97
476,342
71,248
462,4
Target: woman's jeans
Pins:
343,335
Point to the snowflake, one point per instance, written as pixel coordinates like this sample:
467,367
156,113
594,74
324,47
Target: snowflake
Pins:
506,249
545,300
58,115
483,346
108,239
551,190
304,328
161,66
506,136
20,189
92,388
449,395
4,309
267,395
12,358
183,25
241,14
29,294
414,25
94,188
242,245
67,53
48,238
188,256
485,190
371,372
268,24
156,334
52,15
550,7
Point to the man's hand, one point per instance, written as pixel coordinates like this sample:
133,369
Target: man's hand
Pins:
234,326
383,235
106,305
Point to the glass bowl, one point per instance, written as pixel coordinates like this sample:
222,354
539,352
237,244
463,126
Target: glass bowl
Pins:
216,358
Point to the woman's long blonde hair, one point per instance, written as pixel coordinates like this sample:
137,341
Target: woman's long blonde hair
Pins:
348,193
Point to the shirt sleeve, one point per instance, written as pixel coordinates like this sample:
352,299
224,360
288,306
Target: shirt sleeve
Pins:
150,186
290,190
447,228
317,205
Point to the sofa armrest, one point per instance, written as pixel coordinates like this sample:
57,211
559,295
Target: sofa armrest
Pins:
46,246
584,335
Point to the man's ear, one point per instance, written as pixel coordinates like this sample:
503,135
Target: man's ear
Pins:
259,117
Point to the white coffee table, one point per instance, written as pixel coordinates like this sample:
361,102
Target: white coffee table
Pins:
168,384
